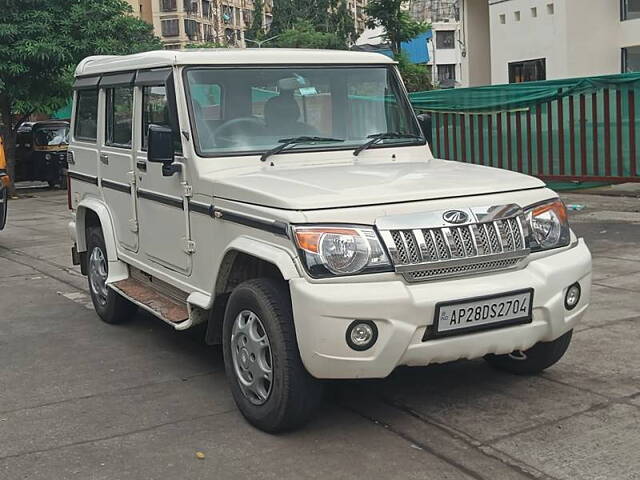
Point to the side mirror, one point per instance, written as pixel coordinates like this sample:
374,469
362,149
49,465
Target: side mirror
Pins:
161,149
424,119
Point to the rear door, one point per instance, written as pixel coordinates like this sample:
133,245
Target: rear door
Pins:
117,157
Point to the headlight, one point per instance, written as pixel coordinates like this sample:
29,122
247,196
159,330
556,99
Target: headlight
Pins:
329,251
549,225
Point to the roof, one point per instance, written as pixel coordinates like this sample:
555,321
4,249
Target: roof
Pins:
225,56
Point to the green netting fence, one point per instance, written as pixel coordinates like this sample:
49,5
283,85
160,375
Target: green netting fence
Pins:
583,129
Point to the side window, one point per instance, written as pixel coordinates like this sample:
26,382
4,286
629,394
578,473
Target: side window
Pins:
155,110
119,116
86,125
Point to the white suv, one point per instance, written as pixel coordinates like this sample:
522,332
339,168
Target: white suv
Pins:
289,200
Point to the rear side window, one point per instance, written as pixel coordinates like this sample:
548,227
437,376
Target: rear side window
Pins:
119,117
86,125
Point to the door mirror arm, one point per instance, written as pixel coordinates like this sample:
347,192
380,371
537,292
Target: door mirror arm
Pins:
170,169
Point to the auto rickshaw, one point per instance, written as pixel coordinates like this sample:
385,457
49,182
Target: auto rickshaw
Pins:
4,187
41,152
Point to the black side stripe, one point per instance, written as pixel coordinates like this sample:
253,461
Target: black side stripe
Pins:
272,226
203,208
120,187
160,198
83,177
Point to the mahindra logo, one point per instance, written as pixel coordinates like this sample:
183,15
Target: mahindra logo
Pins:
455,216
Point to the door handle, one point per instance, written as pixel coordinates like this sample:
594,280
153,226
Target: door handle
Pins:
104,158
142,165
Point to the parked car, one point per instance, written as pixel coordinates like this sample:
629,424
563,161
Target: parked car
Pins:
4,187
41,152
288,200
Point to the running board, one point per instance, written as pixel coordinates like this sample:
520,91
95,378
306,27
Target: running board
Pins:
159,304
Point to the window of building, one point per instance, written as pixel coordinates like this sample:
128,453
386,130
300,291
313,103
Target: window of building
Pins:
119,116
86,127
630,9
631,59
447,75
192,29
550,8
170,28
168,5
445,39
503,18
516,16
534,12
528,71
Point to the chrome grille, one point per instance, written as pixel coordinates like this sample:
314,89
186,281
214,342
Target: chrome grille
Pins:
425,246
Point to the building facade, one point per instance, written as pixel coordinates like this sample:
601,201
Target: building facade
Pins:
552,39
182,22
445,46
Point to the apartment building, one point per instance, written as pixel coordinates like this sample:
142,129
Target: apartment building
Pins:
551,39
181,22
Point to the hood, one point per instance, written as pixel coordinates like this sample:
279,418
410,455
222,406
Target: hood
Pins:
349,185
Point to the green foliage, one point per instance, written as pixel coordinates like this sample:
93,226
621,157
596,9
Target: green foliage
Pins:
324,16
397,23
417,78
206,45
256,32
304,35
41,42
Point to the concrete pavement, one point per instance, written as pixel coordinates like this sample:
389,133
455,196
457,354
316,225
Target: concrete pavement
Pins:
83,400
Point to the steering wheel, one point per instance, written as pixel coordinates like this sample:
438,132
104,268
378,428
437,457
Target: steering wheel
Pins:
237,131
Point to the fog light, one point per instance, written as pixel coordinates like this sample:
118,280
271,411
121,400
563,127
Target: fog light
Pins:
362,334
572,297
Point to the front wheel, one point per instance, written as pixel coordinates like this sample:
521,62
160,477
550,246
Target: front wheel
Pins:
538,358
268,381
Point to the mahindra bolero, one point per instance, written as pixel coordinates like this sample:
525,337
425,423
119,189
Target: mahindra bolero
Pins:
288,200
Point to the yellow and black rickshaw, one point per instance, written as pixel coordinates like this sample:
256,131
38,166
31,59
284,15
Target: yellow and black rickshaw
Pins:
4,187
41,152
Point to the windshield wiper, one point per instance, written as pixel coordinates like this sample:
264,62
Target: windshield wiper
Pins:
376,137
287,142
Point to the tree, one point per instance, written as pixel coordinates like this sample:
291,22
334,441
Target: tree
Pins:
304,35
417,78
41,42
206,45
397,23
324,16
255,32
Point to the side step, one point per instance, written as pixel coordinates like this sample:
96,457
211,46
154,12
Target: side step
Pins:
147,296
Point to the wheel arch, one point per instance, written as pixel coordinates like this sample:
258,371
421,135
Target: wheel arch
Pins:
245,259
92,212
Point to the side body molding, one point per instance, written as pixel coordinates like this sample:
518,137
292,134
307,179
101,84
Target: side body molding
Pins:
117,269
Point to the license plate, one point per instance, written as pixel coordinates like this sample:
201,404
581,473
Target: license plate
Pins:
462,316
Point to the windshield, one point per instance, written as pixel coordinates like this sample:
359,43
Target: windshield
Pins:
51,136
249,110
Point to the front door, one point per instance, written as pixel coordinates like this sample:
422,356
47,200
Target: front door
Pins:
116,163
162,209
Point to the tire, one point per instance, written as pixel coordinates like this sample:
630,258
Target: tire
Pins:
538,358
4,206
109,305
292,395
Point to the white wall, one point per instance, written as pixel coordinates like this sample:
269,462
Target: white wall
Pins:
581,38
476,63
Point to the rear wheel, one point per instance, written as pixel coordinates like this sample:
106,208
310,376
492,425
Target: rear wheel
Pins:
538,358
4,199
268,381
110,306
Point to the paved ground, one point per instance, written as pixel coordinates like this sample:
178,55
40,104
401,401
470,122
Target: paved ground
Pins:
84,400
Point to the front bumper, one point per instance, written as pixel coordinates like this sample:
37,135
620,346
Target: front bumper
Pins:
402,312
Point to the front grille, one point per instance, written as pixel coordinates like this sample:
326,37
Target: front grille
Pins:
493,240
